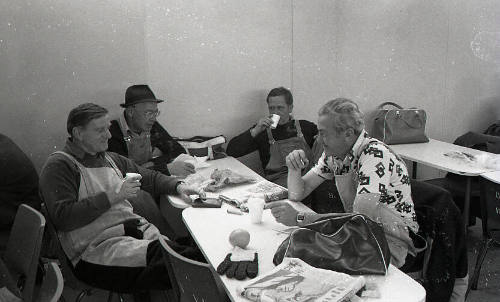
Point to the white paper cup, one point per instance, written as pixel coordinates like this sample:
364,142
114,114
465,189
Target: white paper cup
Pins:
133,176
255,209
276,119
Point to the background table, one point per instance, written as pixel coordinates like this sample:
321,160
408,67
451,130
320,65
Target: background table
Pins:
211,228
432,154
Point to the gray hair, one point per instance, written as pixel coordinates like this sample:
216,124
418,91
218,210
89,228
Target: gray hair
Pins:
345,114
83,114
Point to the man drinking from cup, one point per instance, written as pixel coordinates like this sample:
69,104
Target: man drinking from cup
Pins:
274,142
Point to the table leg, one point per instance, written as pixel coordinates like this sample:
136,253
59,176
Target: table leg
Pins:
414,170
468,185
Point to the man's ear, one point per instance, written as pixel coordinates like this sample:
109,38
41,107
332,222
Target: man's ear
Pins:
349,133
291,107
77,133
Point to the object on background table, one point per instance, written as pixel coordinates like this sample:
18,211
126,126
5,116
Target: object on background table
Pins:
255,209
197,161
268,190
294,278
210,146
239,264
207,203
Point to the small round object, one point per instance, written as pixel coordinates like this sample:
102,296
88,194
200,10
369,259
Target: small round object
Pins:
239,237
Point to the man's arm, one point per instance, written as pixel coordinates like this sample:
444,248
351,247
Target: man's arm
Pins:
300,186
59,186
116,143
242,144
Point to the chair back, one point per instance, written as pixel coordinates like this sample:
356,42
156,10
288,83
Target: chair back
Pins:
67,269
52,285
23,248
490,207
195,280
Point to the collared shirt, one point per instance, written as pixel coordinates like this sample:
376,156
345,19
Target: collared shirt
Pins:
378,170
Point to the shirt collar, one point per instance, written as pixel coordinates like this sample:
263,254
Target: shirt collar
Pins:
358,144
77,151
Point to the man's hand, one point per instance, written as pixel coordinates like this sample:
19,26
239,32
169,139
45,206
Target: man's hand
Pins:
297,160
185,190
262,125
284,212
180,168
129,188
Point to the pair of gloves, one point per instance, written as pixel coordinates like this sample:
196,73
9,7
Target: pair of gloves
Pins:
239,264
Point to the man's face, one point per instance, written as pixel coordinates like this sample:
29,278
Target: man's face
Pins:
94,136
334,143
277,105
143,116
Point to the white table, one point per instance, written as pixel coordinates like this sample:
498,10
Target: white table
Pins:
492,176
432,154
211,228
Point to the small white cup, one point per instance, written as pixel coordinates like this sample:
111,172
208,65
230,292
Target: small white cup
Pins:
255,209
276,119
133,176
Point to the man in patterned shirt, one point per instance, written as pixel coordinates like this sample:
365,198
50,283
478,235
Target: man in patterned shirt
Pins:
370,178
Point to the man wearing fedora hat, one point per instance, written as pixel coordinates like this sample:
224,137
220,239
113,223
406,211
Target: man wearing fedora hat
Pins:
138,136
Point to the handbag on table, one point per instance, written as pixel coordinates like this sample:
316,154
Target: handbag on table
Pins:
210,146
399,125
348,243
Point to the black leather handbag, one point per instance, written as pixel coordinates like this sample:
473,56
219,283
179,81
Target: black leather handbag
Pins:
348,243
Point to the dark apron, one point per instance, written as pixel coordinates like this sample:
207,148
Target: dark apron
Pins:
138,146
276,169
395,229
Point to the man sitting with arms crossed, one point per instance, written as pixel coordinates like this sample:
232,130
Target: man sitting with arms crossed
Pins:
138,136
275,144
86,196
370,178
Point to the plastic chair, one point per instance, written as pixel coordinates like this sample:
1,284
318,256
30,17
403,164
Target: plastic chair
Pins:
195,280
490,211
67,268
52,285
23,248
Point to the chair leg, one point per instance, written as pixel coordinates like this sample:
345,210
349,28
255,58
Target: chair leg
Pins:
479,262
83,293
110,296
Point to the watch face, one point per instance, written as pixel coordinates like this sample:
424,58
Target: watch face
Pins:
300,217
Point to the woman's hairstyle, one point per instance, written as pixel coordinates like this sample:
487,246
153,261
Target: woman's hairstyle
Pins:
345,114
281,91
83,114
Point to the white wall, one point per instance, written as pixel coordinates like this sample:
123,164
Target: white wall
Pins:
214,61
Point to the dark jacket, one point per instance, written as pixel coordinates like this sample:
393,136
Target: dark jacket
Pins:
18,182
159,139
244,143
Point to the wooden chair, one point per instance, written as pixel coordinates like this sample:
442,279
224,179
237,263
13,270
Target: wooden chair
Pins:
52,285
23,249
191,280
490,212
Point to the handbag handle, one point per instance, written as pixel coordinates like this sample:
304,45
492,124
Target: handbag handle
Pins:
389,103
420,124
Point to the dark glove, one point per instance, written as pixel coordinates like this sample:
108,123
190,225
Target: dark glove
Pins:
239,269
132,229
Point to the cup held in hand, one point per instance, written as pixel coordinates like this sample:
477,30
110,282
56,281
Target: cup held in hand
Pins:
133,176
276,119
255,209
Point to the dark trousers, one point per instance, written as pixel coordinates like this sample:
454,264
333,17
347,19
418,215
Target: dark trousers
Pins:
153,276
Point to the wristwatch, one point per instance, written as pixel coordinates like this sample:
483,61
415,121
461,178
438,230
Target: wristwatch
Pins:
300,217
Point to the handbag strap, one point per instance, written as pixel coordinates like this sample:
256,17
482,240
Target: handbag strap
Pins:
389,103
420,123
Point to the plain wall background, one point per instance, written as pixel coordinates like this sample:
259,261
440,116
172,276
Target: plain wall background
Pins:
214,61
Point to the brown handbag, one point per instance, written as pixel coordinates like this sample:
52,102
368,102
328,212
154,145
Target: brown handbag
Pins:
348,243
399,125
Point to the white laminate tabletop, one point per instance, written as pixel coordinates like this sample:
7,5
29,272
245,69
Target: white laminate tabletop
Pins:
433,153
492,176
211,228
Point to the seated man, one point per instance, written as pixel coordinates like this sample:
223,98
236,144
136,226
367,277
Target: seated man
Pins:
86,195
370,178
275,144
18,184
138,136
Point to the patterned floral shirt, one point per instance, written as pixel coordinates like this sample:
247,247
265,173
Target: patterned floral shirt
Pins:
378,170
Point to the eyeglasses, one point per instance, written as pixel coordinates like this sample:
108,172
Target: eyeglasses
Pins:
151,114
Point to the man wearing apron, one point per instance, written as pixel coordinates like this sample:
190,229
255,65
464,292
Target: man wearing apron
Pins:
138,136
275,144
87,198
370,178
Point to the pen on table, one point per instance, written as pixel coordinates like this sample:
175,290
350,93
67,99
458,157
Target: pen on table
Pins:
234,211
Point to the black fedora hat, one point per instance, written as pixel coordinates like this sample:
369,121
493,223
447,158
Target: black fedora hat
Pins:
136,94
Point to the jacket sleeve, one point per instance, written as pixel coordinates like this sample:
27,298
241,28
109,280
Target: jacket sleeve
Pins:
153,182
170,148
242,144
116,143
59,186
